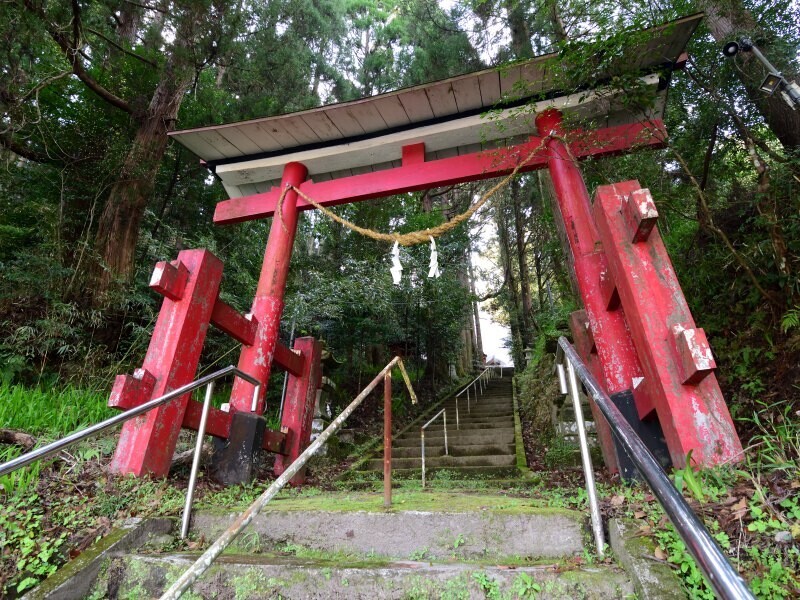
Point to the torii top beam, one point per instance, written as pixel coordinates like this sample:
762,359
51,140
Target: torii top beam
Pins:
460,129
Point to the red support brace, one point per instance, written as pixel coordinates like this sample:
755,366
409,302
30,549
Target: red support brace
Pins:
677,365
268,303
147,443
298,407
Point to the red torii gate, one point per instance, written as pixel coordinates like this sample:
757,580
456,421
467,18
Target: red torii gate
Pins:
636,331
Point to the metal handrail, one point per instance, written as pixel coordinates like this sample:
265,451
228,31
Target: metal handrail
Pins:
490,370
82,434
202,564
710,559
443,414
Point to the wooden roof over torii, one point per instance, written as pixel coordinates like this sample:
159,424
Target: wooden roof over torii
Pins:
440,126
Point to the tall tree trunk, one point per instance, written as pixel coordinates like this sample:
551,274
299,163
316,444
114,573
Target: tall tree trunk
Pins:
506,261
524,275
727,20
475,307
520,31
118,229
554,15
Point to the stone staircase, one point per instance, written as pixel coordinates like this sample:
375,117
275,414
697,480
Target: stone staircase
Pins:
430,544
482,443
345,545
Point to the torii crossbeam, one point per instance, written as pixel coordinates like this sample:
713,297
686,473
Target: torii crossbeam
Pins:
640,340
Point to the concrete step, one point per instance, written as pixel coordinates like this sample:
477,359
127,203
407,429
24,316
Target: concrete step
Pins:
500,422
454,450
249,576
478,411
444,545
464,436
449,473
447,461
478,534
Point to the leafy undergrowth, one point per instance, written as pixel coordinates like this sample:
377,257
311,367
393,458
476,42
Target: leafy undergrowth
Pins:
751,509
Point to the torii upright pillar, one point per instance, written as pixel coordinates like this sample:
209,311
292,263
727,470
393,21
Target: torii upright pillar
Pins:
257,359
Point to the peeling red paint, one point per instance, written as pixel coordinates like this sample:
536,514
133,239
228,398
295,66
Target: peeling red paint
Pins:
579,325
256,360
298,408
417,176
693,417
615,349
147,443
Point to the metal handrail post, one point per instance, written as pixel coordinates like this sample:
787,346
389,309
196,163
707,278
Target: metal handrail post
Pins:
444,424
458,424
422,445
201,430
586,459
422,439
710,559
387,440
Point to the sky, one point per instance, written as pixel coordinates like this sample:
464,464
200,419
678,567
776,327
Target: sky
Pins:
493,334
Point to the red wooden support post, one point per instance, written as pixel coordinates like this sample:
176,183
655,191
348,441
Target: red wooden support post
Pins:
190,286
675,357
298,407
615,351
268,303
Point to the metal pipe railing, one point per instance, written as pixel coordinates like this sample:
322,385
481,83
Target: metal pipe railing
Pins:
726,582
443,414
202,564
488,373
82,434
586,460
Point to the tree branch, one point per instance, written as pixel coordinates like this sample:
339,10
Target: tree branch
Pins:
8,142
73,57
146,6
707,160
737,120
701,196
121,49
495,293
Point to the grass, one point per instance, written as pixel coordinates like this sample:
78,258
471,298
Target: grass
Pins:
51,413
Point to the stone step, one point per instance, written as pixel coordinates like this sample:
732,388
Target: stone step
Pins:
460,473
447,461
253,576
454,450
500,422
537,532
464,436
480,410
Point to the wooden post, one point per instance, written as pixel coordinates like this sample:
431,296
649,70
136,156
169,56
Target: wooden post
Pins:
387,440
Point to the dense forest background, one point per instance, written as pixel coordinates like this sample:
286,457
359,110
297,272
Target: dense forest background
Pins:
93,193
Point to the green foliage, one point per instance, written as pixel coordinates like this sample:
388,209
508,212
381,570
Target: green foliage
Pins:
688,476
488,585
51,412
677,554
21,529
525,587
